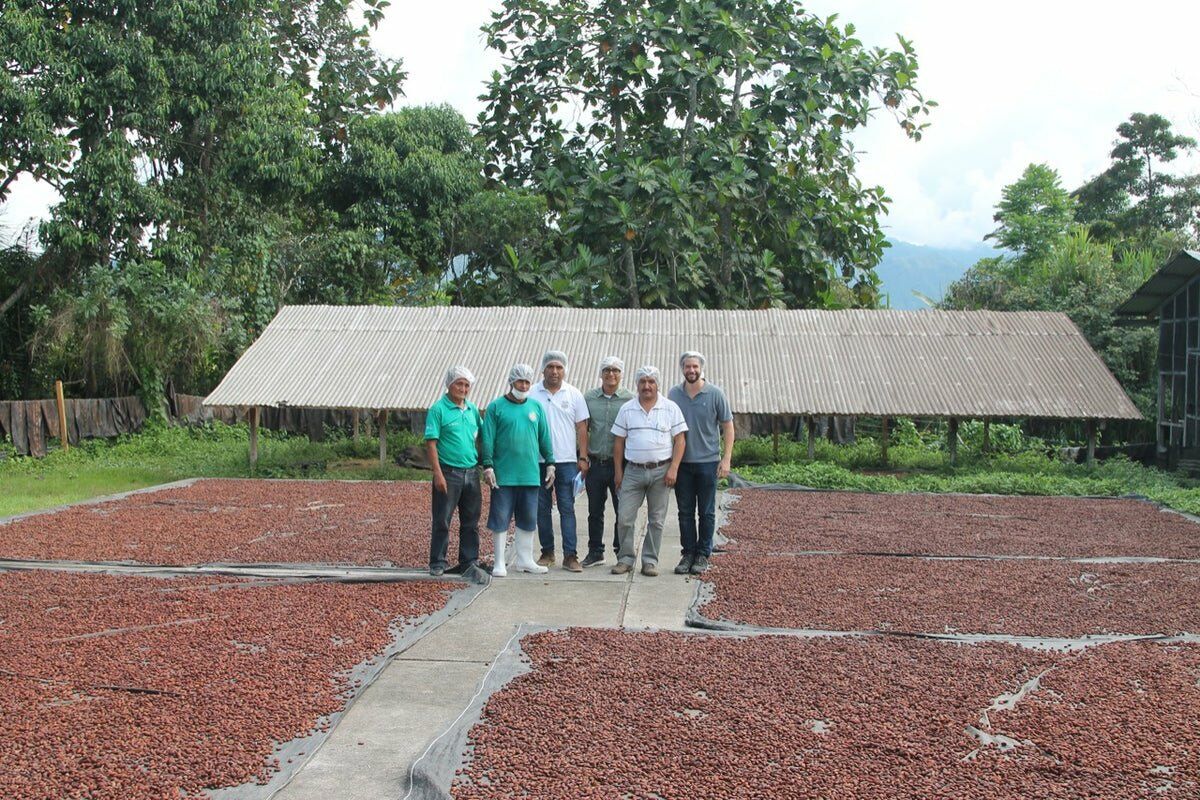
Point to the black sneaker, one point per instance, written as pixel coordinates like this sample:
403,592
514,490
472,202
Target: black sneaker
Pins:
437,572
699,565
685,565
593,558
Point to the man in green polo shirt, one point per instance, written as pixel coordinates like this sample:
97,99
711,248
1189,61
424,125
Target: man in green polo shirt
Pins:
452,428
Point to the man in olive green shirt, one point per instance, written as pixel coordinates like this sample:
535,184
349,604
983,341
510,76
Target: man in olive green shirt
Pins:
603,403
451,441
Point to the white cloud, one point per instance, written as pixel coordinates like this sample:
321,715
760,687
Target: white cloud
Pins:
1018,83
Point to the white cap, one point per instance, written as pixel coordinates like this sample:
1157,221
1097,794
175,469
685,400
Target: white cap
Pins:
611,361
520,372
554,355
456,372
648,372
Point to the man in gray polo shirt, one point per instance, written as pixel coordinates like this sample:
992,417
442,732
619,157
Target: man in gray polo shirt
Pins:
705,461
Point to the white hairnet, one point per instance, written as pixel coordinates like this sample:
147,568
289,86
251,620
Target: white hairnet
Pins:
648,372
459,371
611,361
554,355
520,372
691,354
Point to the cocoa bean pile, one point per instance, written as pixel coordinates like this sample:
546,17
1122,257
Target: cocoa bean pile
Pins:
607,714
913,595
375,523
130,687
770,577
958,525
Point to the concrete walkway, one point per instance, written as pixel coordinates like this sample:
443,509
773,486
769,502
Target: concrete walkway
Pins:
422,692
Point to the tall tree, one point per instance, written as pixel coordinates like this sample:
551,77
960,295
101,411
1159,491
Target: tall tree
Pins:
1136,197
698,150
189,139
1034,214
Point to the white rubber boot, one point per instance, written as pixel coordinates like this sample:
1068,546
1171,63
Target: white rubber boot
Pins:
498,542
525,562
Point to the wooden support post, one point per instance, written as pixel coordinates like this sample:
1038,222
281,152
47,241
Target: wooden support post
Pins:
987,436
354,425
62,415
883,441
383,438
775,437
812,437
253,436
1091,445
952,440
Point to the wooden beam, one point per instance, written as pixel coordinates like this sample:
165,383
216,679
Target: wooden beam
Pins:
354,425
987,436
1091,445
62,415
812,437
952,440
775,436
253,436
883,441
383,438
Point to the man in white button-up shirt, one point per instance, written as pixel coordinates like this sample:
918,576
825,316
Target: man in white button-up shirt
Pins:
567,413
648,444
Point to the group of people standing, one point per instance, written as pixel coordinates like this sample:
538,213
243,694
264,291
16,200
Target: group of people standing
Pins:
538,441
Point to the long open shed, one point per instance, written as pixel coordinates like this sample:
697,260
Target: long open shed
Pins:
883,363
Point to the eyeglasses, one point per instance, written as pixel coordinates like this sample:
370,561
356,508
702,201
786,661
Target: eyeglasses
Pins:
611,369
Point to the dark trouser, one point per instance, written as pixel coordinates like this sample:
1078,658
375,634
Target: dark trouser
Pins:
462,492
697,487
601,483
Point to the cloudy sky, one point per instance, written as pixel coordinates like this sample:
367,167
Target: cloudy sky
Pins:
1017,82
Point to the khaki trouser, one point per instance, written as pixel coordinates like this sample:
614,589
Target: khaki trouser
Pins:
637,485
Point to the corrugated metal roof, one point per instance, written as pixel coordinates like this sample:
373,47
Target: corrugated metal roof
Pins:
1169,279
858,362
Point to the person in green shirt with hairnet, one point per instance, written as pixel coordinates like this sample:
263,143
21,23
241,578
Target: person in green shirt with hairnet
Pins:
516,437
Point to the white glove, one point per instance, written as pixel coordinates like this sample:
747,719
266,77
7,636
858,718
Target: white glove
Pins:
489,475
549,475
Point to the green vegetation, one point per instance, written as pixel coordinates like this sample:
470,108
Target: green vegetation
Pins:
162,454
1085,252
1016,466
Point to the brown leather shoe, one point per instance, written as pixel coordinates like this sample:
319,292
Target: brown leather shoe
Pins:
546,559
650,570
621,568
571,563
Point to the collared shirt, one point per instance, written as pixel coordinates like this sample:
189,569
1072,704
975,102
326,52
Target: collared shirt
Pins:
455,430
564,409
515,438
649,435
603,410
704,414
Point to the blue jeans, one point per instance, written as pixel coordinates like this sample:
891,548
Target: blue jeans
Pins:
507,501
697,487
564,493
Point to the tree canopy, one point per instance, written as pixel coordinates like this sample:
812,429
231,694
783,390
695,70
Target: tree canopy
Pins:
696,153
1136,197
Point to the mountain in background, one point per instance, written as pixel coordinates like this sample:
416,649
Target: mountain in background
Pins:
929,270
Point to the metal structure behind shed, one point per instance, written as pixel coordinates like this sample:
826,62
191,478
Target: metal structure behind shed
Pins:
953,364
1171,298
